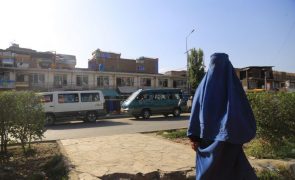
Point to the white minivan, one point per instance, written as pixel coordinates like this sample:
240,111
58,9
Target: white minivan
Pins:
79,104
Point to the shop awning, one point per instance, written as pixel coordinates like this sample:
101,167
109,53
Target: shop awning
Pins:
127,89
109,92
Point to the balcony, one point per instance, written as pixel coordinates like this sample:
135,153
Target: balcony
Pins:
22,84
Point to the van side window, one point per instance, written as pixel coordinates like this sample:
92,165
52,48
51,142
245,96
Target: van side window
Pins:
46,98
176,96
160,96
68,98
147,96
170,96
90,97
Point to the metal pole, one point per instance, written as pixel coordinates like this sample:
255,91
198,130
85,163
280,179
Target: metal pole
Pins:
187,62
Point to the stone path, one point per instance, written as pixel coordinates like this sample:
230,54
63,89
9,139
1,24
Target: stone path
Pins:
129,156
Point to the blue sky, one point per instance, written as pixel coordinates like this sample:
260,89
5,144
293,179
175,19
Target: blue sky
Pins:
253,33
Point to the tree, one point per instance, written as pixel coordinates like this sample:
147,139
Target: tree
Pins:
30,119
7,118
196,68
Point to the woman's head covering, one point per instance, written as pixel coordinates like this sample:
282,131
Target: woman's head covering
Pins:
220,108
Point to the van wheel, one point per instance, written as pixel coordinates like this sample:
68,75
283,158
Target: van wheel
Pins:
90,117
49,119
146,114
176,112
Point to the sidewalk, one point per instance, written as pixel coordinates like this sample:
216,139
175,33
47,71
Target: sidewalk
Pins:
129,156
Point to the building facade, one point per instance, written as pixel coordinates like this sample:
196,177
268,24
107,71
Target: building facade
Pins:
112,62
83,79
15,56
263,77
27,69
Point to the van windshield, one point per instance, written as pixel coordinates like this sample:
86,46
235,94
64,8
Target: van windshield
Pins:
133,96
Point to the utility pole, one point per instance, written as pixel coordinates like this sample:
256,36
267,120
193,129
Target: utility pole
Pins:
187,62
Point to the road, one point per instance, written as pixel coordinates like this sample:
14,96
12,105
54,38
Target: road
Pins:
103,127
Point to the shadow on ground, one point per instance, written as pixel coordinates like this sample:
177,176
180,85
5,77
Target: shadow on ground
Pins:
81,124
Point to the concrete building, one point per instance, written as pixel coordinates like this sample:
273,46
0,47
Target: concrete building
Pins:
82,79
27,69
263,77
15,56
112,62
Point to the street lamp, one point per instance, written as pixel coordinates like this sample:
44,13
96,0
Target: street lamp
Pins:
187,61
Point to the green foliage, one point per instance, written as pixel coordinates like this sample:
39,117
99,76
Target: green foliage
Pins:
275,115
262,149
276,174
56,168
196,68
275,118
173,134
267,175
21,117
7,117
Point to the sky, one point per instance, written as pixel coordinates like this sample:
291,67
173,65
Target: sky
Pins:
252,32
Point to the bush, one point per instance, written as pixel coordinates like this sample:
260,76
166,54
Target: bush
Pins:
56,168
7,117
275,118
21,117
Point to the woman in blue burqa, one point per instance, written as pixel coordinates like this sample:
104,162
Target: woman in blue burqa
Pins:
221,122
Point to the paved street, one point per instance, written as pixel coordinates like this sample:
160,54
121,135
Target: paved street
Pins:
103,127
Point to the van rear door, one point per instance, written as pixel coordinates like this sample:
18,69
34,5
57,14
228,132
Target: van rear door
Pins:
48,102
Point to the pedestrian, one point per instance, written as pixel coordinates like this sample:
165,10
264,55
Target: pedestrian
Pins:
221,122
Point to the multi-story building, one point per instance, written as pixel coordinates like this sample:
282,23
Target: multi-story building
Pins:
83,79
27,69
112,62
263,77
15,56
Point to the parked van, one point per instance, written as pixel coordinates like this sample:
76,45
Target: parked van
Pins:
144,103
79,104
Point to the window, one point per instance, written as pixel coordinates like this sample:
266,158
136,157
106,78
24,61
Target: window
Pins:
82,80
163,83
179,83
20,77
60,80
46,98
176,96
4,76
90,97
68,98
37,78
125,81
160,96
140,68
102,81
147,96
145,82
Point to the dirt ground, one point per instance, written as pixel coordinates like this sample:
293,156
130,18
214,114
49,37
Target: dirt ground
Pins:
44,161
184,141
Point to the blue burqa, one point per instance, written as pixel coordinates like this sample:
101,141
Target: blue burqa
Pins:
221,121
